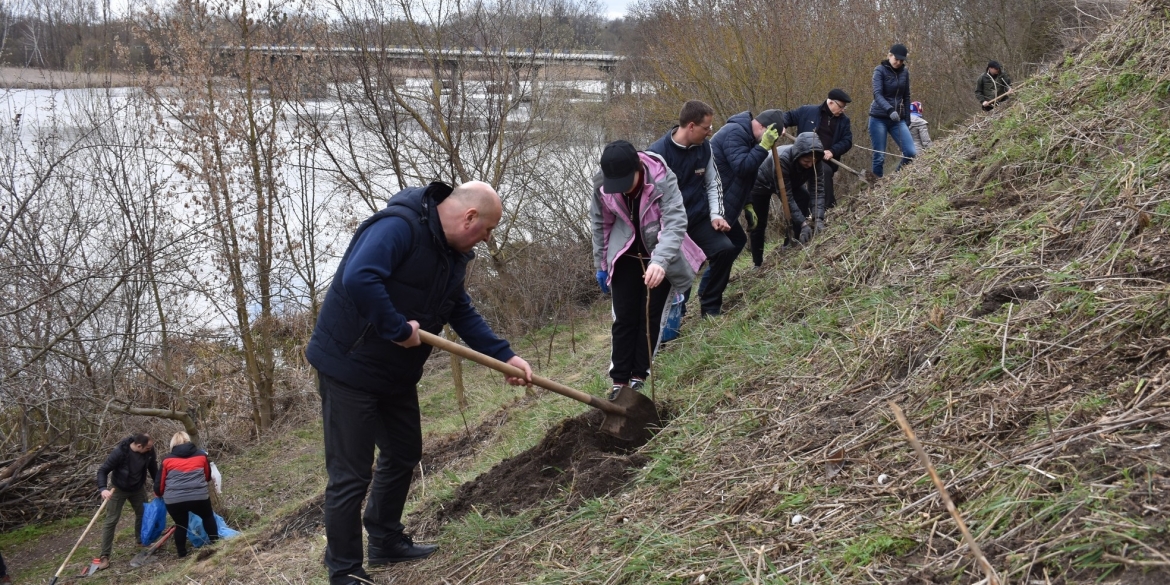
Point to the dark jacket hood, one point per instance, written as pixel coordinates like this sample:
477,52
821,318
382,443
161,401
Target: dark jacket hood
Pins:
805,143
185,450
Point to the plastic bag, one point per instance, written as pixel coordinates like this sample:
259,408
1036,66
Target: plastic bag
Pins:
217,478
225,532
197,534
673,319
154,521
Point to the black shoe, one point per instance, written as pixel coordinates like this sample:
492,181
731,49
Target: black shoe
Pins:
614,391
402,550
354,578
637,384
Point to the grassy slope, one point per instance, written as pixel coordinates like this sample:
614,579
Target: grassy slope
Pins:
1046,416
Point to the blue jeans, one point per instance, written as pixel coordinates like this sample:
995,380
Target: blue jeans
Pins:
879,129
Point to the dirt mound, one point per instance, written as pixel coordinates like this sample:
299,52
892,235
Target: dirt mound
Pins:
574,458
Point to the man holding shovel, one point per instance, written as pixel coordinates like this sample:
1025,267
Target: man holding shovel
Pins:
403,271
832,126
803,184
129,462
992,86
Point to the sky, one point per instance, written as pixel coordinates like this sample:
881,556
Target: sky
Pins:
614,8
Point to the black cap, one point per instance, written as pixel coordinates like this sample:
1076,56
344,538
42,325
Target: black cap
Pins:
839,95
994,64
769,117
899,51
619,165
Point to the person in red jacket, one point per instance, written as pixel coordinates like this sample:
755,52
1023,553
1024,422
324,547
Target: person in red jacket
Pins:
182,484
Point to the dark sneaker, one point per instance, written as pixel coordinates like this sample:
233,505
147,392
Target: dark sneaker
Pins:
401,551
637,384
358,577
614,391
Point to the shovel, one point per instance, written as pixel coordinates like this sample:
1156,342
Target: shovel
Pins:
626,418
57,575
144,557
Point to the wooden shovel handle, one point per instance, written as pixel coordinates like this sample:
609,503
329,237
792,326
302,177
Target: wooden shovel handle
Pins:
495,364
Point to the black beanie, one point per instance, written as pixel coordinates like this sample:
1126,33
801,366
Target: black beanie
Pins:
995,64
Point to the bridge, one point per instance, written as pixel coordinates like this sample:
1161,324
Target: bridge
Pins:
452,58
516,58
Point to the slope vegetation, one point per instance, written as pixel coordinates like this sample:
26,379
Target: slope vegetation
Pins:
1009,290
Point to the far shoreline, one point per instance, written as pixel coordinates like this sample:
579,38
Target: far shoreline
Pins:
14,78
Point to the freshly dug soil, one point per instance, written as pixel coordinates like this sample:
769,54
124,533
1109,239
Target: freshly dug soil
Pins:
574,458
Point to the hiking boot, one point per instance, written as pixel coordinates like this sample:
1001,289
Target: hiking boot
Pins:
103,563
614,391
403,549
637,384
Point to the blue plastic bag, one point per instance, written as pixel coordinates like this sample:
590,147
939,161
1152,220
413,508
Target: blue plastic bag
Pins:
197,534
154,521
673,319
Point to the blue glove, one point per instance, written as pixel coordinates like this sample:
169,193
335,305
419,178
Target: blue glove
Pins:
603,276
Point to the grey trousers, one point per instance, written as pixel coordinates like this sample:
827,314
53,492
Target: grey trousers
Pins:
114,512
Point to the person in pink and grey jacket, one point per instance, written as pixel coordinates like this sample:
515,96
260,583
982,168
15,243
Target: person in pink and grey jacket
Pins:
640,247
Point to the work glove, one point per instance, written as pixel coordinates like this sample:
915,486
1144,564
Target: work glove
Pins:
819,226
806,233
895,117
603,276
753,220
771,135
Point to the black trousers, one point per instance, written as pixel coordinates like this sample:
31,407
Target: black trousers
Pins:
3,567
827,171
762,205
179,513
631,346
355,421
718,273
714,244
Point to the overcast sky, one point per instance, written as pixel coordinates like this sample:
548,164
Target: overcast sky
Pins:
614,8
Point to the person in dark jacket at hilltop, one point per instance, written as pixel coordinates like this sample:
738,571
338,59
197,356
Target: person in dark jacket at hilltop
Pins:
800,165
993,83
738,148
130,462
403,271
182,485
889,115
832,126
688,154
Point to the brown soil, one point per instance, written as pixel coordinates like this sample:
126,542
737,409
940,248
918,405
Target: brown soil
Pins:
573,458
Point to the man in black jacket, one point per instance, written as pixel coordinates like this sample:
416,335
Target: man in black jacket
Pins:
403,272
832,126
130,462
687,151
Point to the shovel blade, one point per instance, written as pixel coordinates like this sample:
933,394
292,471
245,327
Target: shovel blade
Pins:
641,415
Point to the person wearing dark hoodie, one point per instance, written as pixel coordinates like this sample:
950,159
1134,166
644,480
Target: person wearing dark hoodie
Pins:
832,126
739,147
182,485
130,462
800,166
889,114
993,83
687,152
